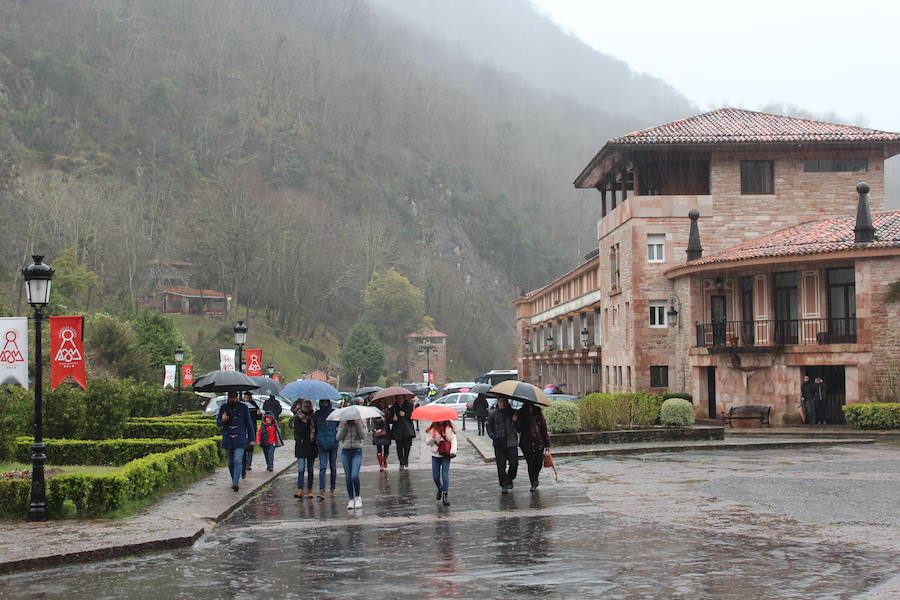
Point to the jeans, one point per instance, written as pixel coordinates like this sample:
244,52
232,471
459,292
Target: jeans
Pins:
352,462
269,453
235,463
248,458
535,461
506,456
440,472
327,457
403,447
308,465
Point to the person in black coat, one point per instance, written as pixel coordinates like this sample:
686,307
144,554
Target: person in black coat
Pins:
534,439
807,400
819,400
381,439
256,416
305,449
402,429
273,406
480,408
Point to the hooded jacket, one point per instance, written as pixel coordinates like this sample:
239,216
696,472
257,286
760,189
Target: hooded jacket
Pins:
326,431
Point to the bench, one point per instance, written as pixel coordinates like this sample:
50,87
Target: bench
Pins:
746,413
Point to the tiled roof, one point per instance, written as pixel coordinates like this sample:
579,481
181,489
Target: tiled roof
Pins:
427,333
189,292
737,126
815,237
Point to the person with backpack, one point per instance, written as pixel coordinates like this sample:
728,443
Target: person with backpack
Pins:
440,437
326,441
501,428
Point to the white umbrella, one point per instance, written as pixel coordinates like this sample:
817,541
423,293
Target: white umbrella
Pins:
351,413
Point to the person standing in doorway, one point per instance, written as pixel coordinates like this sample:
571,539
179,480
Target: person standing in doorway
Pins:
352,434
327,444
402,429
440,437
501,428
237,435
480,408
534,439
305,449
819,400
807,401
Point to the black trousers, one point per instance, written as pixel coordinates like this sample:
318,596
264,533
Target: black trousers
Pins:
385,449
403,447
507,460
481,421
535,461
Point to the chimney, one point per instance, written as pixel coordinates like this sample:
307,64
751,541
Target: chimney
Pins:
864,231
694,249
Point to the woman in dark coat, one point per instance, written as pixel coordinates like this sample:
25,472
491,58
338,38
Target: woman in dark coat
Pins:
381,439
534,439
480,408
305,448
402,429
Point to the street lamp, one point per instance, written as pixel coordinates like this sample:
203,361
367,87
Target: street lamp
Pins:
38,277
584,337
240,338
427,349
550,342
179,358
673,316
527,346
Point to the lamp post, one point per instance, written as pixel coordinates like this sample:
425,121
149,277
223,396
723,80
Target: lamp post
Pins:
584,337
550,342
179,358
38,277
270,369
427,349
240,338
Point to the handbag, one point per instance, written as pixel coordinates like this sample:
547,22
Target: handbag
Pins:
548,462
444,447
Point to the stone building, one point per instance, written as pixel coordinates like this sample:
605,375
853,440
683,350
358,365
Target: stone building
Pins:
746,174
166,286
426,355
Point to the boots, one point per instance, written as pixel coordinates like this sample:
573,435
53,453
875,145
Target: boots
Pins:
309,493
445,500
382,463
299,493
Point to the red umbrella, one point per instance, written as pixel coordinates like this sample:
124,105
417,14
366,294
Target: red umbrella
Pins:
434,412
386,396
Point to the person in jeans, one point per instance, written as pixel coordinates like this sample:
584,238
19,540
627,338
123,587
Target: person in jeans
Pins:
441,431
534,439
268,438
305,449
808,400
352,434
237,435
255,416
480,408
501,428
327,445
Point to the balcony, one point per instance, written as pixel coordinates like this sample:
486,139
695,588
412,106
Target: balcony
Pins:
776,332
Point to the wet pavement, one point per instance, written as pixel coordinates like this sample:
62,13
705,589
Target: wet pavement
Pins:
694,525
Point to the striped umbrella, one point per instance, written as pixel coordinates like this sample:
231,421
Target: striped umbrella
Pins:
519,390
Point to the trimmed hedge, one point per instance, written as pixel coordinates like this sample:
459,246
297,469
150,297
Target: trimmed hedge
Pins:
604,412
171,429
682,395
676,412
97,495
875,415
562,417
90,452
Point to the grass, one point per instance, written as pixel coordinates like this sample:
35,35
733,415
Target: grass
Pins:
60,469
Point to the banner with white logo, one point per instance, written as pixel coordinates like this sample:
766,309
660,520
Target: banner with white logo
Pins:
187,376
226,359
67,351
169,379
254,362
14,351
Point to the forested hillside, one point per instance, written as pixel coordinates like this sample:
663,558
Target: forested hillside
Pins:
290,149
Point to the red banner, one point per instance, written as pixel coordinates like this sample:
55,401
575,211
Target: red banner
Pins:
67,351
187,376
254,362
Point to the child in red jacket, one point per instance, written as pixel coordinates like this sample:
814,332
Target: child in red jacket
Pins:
268,438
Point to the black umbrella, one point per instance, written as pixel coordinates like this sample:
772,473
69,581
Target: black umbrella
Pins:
480,388
267,386
224,381
363,391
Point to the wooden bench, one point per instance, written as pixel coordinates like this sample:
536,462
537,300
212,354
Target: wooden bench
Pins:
746,413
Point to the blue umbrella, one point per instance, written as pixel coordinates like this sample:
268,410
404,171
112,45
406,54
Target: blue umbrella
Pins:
310,389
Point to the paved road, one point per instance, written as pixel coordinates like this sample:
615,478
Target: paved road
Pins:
654,526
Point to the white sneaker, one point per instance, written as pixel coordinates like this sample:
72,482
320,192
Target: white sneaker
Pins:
351,505
358,502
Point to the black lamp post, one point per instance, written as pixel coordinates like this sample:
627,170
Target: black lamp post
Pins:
240,338
673,316
527,346
427,349
550,342
270,369
38,277
179,358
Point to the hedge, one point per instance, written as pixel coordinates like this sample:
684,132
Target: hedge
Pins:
91,452
171,429
98,495
682,395
562,417
676,412
875,415
604,412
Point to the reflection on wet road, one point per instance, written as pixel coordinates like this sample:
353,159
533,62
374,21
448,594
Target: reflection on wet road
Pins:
402,544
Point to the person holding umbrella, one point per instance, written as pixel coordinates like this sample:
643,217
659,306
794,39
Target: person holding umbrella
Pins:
327,444
255,415
351,434
402,429
305,449
381,439
480,408
534,439
501,428
237,434
440,437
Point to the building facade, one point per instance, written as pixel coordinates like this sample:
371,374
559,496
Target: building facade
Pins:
746,174
426,356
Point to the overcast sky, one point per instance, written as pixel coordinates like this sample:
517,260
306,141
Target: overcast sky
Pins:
820,56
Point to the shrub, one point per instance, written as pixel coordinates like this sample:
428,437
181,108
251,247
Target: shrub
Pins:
106,403
876,415
676,412
562,417
16,416
171,429
66,413
683,395
603,412
92,452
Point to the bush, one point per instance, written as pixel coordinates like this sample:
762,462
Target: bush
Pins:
136,481
562,417
683,395
106,402
92,452
676,412
604,412
876,415
66,413
170,429
16,416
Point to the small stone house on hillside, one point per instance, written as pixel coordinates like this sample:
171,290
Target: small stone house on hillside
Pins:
166,287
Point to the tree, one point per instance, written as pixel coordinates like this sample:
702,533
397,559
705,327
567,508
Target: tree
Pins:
393,306
158,337
362,355
114,341
72,283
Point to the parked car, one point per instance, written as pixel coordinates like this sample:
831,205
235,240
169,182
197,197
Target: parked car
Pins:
457,401
566,397
457,386
215,403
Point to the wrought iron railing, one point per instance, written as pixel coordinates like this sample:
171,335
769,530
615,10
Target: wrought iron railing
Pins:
777,332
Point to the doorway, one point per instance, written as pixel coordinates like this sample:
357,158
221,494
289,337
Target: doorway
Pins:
834,377
711,392
719,318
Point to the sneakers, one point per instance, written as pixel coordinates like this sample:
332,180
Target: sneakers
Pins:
357,503
445,500
351,505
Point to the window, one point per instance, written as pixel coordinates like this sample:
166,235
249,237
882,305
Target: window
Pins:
757,177
659,377
656,248
835,165
657,313
614,278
